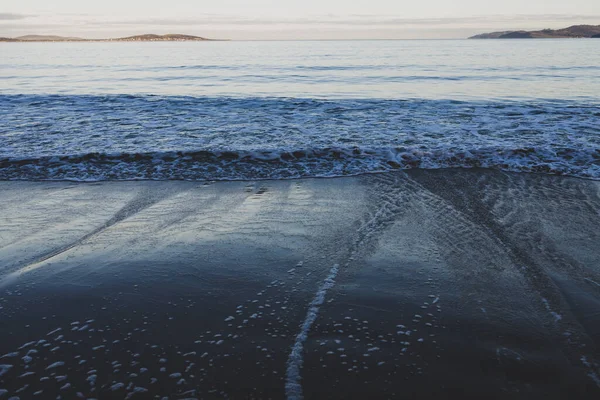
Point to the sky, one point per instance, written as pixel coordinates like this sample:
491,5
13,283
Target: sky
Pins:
291,19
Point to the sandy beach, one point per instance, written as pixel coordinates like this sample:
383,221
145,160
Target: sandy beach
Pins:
422,284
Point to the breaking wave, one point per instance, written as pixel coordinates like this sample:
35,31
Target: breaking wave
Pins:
91,138
328,162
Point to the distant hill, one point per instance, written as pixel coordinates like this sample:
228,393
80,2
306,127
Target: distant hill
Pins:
164,38
46,38
575,31
173,37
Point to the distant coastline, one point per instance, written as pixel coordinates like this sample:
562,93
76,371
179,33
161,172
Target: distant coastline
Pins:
137,38
575,32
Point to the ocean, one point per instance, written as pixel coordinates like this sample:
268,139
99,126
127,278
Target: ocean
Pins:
275,110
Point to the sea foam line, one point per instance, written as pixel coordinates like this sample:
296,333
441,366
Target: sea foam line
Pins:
293,387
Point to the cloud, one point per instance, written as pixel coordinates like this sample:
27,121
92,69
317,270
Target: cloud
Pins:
348,20
351,20
12,16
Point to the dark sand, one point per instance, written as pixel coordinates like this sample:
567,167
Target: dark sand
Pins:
464,284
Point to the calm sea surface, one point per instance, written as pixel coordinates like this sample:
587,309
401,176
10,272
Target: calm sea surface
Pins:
253,110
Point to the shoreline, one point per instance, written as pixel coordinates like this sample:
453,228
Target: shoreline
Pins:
483,170
451,282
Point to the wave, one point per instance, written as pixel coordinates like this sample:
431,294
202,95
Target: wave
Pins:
287,164
84,137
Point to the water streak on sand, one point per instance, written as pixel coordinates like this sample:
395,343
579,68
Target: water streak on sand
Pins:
293,387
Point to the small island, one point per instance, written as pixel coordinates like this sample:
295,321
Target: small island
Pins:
172,37
575,31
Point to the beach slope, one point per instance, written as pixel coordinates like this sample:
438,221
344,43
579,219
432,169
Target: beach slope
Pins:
421,284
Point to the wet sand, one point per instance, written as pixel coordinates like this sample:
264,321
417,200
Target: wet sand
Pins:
426,284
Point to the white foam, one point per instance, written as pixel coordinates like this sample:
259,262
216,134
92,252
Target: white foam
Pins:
54,331
136,390
27,345
4,368
293,387
92,379
557,316
55,365
592,374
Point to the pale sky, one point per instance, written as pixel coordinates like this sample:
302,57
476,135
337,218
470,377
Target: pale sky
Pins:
291,19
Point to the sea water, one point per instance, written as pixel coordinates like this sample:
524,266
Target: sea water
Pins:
274,110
